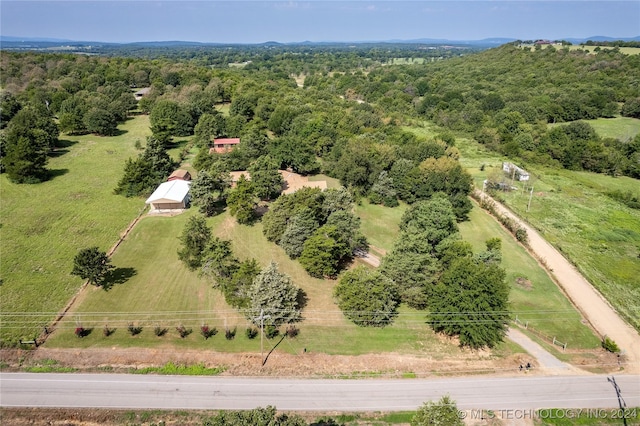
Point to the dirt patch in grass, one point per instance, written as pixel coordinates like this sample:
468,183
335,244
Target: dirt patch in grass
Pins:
524,283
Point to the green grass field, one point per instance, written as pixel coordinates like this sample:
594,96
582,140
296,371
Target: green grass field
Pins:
159,291
572,211
44,225
621,128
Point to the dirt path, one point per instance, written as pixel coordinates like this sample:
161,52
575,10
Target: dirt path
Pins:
549,363
595,308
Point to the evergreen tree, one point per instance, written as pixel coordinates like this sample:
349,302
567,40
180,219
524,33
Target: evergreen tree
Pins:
274,293
300,227
195,239
143,174
242,201
207,189
28,138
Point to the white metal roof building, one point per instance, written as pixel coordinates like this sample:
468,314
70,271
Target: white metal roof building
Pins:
170,196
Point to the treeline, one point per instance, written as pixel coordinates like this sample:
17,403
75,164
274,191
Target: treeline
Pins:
614,43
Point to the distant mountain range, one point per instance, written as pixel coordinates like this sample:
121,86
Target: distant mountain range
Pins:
12,41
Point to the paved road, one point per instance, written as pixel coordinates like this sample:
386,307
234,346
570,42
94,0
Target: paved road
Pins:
183,392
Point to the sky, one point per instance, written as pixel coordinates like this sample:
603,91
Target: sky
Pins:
241,21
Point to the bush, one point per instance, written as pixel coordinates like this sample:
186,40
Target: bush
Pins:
208,332
229,334
80,331
292,331
183,331
251,332
160,331
521,235
271,331
134,330
108,331
610,345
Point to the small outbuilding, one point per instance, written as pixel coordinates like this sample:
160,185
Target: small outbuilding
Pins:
142,93
179,175
173,195
515,171
223,145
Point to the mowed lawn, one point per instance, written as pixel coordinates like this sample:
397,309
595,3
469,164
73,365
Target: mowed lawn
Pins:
44,225
158,291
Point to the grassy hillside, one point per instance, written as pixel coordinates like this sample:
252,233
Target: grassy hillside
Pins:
44,225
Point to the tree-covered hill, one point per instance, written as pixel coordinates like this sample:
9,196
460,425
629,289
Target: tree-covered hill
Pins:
506,96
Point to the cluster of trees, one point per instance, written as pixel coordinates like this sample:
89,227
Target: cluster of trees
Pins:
505,97
318,227
430,267
97,111
27,138
244,284
143,174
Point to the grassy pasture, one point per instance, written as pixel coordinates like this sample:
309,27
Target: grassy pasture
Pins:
591,49
572,211
44,225
621,128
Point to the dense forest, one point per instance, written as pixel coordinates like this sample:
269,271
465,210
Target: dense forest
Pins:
347,124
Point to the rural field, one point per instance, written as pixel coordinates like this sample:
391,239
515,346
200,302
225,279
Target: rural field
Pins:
152,289
44,225
571,209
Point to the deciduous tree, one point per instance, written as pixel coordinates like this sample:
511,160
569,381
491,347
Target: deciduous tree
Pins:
92,265
367,297
435,413
471,301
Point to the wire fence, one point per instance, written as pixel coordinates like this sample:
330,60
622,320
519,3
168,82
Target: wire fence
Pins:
550,339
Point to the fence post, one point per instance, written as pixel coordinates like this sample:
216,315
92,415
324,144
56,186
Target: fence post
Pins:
554,340
526,324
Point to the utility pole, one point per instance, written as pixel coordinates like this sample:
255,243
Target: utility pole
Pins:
621,402
530,197
262,317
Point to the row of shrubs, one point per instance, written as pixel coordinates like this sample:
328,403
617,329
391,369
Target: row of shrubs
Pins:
512,225
270,331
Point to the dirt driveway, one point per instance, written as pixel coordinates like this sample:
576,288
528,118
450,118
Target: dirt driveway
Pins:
595,308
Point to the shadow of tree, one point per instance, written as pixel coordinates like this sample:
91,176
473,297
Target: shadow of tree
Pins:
302,299
118,276
54,173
